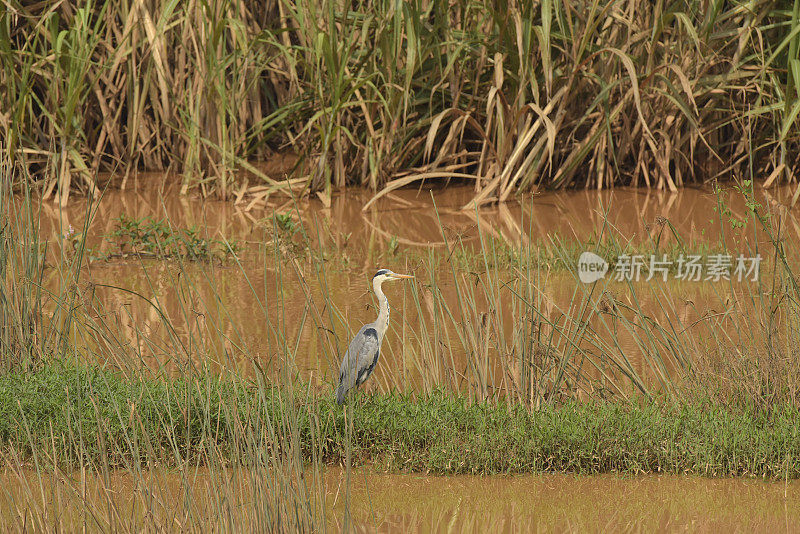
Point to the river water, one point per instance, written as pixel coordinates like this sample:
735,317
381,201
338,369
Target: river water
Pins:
290,304
564,503
197,500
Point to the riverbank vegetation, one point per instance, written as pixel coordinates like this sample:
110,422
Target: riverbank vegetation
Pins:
510,96
86,415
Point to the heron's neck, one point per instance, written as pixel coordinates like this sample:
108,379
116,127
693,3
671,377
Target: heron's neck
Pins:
382,322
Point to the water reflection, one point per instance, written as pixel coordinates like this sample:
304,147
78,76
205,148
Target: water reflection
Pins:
194,498
293,314
561,503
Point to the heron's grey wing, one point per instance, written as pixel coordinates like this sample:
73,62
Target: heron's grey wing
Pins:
360,359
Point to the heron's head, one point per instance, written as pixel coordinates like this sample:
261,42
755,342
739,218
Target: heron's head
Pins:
385,275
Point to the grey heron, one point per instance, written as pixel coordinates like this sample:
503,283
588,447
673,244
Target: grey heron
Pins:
362,355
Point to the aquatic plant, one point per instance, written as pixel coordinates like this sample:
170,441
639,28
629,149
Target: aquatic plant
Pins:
159,239
285,223
510,95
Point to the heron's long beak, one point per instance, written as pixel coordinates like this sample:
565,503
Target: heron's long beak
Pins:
402,275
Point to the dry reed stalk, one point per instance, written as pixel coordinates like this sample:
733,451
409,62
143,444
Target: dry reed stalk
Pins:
545,94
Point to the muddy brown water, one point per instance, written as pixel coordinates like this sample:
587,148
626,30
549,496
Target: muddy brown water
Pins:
564,503
369,501
294,317
230,315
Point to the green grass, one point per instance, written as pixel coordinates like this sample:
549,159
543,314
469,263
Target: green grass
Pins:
85,414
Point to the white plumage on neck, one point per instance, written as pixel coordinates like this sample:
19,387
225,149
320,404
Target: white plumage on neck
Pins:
382,322
362,355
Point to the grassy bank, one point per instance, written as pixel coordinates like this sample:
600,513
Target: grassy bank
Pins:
76,415
508,95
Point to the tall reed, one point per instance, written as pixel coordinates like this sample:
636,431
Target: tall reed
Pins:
509,96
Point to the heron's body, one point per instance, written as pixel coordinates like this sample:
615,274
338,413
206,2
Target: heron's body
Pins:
362,355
